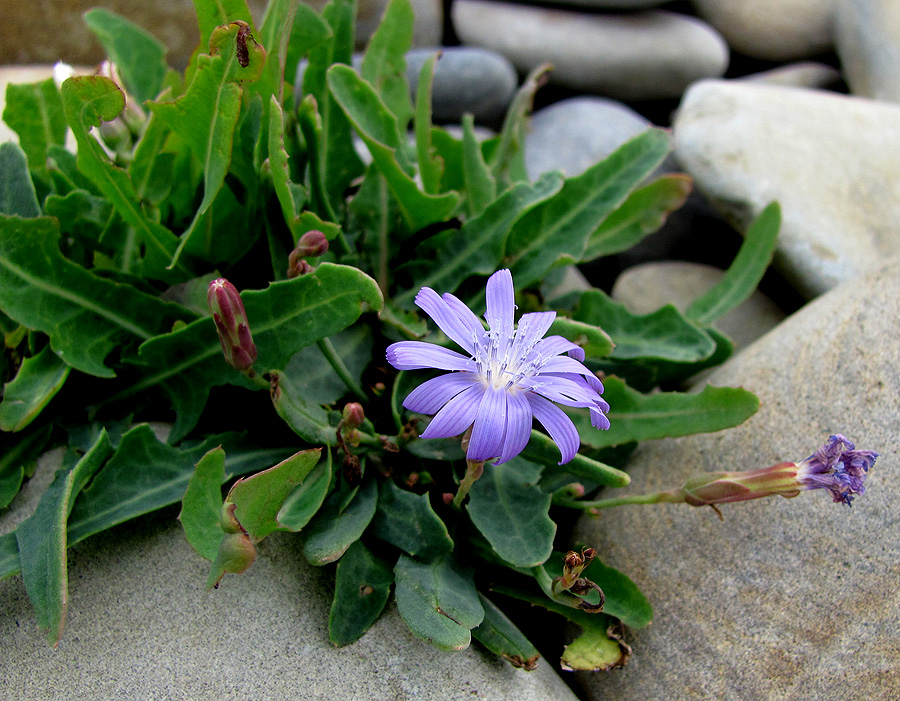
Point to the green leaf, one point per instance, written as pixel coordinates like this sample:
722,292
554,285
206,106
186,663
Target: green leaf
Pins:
361,590
41,541
334,529
35,112
438,601
89,101
407,521
214,13
384,62
84,315
9,555
310,369
275,33
481,187
306,499
595,341
201,507
286,191
89,220
305,418
150,163
558,230
745,271
643,213
140,57
512,512
308,31
18,458
259,498
477,247
378,128
36,383
207,114
541,449
285,317
500,635
431,166
665,334
17,195
637,417
236,553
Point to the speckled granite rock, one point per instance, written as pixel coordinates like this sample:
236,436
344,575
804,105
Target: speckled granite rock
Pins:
776,30
787,598
868,42
140,626
833,161
644,55
645,288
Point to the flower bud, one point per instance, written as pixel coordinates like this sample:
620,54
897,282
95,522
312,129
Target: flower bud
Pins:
311,245
231,324
353,415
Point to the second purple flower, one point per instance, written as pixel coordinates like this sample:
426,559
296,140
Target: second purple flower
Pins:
508,377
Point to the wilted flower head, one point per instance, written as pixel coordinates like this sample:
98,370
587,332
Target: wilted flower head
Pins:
838,467
231,324
507,377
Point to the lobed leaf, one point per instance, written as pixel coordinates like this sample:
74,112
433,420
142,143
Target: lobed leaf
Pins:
25,396
407,521
361,589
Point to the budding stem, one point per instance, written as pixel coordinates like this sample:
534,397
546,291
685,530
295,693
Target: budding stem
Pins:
335,361
474,470
652,498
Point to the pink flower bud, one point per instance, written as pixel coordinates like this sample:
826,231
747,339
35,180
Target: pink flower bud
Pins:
231,324
353,415
311,245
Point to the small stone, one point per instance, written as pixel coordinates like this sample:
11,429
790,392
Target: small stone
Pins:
832,161
466,80
645,288
612,4
646,55
775,30
868,44
573,134
787,598
805,74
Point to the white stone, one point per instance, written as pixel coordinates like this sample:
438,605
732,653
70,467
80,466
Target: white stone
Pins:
804,74
832,161
645,55
776,30
868,43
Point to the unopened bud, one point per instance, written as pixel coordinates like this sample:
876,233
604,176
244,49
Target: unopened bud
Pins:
311,245
353,415
231,324
236,554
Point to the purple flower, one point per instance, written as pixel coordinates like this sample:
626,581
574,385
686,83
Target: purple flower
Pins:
507,377
838,467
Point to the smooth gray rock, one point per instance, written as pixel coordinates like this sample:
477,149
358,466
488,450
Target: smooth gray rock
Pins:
573,134
833,161
804,74
787,598
775,30
466,80
868,44
646,55
645,288
140,626
612,4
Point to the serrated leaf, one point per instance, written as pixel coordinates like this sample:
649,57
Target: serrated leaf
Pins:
379,130
559,229
477,247
500,635
285,317
306,499
407,521
431,166
139,57
41,541
745,271
637,417
35,112
201,506
89,101
17,195
334,529
643,213
85,316
384,62
361,590
259,498
512,512
285,190
37,382
438,601
664,334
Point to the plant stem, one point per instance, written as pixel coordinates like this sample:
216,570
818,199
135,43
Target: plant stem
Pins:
382,274
652,498
335,361
474,470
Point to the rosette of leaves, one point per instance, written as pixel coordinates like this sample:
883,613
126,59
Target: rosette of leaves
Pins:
105,255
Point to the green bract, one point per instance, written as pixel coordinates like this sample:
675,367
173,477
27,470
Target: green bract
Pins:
105,259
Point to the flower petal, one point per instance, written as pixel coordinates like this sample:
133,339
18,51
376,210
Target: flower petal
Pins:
565,364
558,425
518,426
490,426
531,329
554,345
415,355
501,304
446,319
565,390
430,396
457,415
467,317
